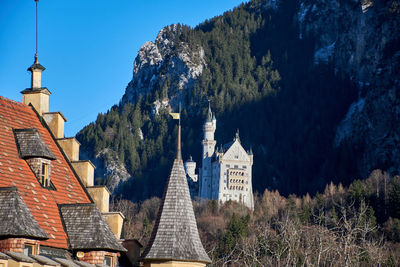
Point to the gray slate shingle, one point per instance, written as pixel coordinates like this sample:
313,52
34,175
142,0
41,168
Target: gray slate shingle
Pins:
31,145
44,260
15,217
86,228
20,257
175,235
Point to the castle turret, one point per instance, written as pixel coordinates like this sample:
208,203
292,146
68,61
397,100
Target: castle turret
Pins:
208,151
209,129
190,168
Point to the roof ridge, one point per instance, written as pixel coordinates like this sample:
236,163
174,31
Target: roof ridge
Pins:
13,101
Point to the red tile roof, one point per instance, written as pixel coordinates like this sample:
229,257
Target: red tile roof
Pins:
14,171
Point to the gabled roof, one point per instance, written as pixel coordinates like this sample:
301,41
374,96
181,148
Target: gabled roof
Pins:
86,228
30,144
175,235
235,150
14,171
15,217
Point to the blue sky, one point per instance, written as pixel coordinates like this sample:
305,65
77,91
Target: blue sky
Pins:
87,47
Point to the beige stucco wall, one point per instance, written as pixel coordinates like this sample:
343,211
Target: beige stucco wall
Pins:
3,263
13,263
39,100
36,79
70,147
115,220
85,171
174,264
55,121
101,196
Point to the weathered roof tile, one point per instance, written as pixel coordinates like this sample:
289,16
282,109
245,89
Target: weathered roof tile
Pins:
87,229
15,217
30,144
175,235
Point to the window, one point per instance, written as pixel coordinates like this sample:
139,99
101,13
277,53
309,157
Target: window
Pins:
244,167
236,166
109,261
45,178
29,249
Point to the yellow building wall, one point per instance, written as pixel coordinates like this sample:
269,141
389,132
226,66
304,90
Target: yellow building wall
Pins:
70,147
115,220
100,196
55,121
13,263
39,100
85,171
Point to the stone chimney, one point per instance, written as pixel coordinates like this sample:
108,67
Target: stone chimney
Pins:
37,95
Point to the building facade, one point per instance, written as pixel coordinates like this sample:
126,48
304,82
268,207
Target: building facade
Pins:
226,172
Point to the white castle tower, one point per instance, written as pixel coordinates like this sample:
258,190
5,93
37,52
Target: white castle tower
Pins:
205,187
226,173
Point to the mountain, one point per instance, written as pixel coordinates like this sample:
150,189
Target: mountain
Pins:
313,87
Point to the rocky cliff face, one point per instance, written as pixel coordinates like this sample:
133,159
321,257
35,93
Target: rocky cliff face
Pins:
360,37
168,67
362,40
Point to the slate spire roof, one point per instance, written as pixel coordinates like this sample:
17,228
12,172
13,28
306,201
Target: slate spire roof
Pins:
15,217
86,229
175,235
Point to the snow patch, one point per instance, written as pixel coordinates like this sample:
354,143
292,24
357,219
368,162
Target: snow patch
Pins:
365,5
345,127
324,54
158,105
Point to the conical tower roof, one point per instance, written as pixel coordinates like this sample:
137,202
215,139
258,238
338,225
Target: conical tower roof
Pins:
175,235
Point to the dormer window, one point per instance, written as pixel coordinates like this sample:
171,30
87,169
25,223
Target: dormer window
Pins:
45,179
34,151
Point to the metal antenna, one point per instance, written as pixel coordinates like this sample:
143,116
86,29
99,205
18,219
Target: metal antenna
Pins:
36,52
178,145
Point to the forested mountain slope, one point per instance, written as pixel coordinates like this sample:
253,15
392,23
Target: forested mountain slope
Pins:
313,87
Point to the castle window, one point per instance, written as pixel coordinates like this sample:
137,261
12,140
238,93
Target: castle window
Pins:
236,157
109,261
45,179
236,166
228,166
29,249
244,167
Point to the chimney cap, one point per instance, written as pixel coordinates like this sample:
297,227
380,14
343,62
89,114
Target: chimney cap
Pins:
36,65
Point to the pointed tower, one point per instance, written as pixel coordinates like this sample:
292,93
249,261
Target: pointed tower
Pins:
175,239
205,186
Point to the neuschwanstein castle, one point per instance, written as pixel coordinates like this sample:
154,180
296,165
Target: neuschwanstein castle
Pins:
225,173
